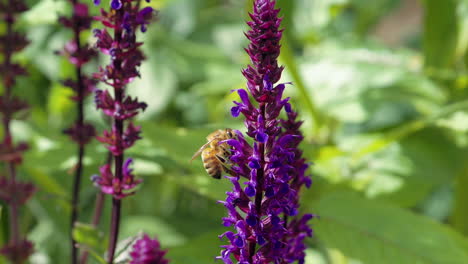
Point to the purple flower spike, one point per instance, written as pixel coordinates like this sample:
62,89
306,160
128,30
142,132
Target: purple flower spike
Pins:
147,251
118,40
97,2
268,225
14,193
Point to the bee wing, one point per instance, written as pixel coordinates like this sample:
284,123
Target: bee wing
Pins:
207,144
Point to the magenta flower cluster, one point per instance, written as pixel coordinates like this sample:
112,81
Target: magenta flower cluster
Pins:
264,213
147,251
112,185
124,20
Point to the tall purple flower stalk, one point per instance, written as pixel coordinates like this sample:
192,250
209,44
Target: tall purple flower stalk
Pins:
80,132
123,19
264,213
13,192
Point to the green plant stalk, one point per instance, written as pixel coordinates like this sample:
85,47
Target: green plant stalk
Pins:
408,129
287,57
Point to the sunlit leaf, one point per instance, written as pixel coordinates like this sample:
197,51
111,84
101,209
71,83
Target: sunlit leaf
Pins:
440,32
375,232
88,236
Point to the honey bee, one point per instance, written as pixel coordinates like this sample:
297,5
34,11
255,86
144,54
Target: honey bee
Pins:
215,155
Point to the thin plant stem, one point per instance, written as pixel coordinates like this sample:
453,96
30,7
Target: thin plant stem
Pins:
287,57
119,126
260,182
13,208
75,203
81,147
98,208
100,199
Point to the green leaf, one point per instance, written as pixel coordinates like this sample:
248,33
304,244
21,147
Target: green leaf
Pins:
289,60
440,32
462,19
371,85
153,226
376,232
200,250
88,236
59,103
156,79
44,12
406,171
459,218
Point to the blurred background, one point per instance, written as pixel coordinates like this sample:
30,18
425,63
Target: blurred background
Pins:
381,86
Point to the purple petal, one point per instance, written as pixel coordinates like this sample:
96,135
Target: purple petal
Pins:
239,242
145,11
269,192
250,190
116,4
244,96
266,83
260,240
251,220
275,220
254,164
284,188
288,108
235,111
261,137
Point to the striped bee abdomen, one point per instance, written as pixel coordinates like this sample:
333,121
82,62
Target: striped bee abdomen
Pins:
211,163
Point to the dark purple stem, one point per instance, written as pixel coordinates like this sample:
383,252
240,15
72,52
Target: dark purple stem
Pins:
13,209
80,89
98,207
81,148
119,159
260,183
75,202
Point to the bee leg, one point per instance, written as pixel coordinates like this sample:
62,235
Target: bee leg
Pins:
223,163
227,170
221,159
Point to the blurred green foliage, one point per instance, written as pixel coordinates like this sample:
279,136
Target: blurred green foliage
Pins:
381,85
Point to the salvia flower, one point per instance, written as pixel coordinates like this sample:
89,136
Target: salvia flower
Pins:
267,176
12,191
81,132
118,40
118,188
124,18
147,251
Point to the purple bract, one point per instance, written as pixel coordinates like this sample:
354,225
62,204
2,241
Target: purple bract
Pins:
147,251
